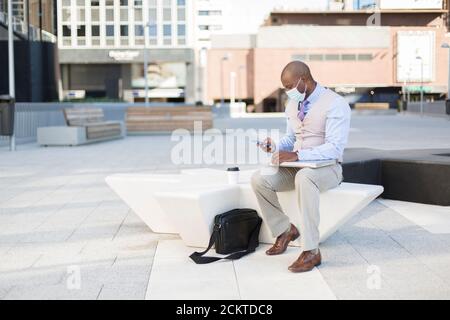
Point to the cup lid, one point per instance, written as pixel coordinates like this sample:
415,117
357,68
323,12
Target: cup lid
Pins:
233,169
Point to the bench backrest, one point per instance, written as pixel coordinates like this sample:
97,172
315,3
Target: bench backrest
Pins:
83,116
166,119
372,105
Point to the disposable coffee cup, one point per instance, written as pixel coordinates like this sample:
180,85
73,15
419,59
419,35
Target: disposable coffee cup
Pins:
233,175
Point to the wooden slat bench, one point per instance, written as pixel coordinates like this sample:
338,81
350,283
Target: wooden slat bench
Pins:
84,125
167,119
371,105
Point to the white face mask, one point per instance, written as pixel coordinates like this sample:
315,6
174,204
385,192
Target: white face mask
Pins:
296,95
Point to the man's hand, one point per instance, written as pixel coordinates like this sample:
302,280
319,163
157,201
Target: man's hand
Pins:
284,156
267,145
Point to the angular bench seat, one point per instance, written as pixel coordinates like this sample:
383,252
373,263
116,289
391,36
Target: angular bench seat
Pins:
186,203
137,191
192,210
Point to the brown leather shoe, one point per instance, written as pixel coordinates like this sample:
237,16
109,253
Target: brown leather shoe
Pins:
306,262
283,240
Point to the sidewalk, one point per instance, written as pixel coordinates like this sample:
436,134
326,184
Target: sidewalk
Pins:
58,218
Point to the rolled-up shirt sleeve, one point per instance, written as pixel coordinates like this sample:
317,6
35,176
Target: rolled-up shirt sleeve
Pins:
286,143
336,134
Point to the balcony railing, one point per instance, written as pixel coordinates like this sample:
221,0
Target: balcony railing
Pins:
20,27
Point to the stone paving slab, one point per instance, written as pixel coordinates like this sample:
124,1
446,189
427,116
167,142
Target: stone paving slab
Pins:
57,213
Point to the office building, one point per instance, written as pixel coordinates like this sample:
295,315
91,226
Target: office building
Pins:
35,50
102,46
366,55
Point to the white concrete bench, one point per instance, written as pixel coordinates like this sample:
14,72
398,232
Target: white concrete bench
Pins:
137,191
187,203
84,125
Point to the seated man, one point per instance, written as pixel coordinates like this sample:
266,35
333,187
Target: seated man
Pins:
318,122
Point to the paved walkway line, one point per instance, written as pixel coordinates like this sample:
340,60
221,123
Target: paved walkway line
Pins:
257,276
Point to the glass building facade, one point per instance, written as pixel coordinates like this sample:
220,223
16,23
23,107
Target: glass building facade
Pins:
122,23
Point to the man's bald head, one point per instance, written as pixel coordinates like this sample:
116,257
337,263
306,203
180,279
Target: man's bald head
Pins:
294,71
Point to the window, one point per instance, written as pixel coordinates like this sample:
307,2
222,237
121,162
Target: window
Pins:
215,13
139,30
167,14
109,2
138,14
203,27
66,31
152,15
152,3
95,14
80,3
124,30
123,14
349,57
331,57
209,12
110,30
95,3
81,31
137,3
181,30
300,57
152,30
181,41
181,2
181,14
81,14
167,3
365,57
167,41
66,3
95,31
316,57
167,30
66,14
109,14
123,2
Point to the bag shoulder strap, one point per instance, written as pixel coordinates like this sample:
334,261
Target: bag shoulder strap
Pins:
198,257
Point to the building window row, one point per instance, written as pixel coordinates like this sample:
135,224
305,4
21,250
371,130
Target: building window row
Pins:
209,12
122,3
205,27
172,27
333,57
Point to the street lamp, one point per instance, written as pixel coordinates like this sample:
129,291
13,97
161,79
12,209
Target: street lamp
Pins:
222,89
12,88
447,46
240,82
421,84
146,34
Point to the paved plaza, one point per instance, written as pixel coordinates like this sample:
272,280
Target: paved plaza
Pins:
65,235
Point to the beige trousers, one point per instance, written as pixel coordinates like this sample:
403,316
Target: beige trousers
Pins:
308,184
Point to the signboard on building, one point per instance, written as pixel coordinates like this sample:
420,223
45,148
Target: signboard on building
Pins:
415,56
411,4
125,55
